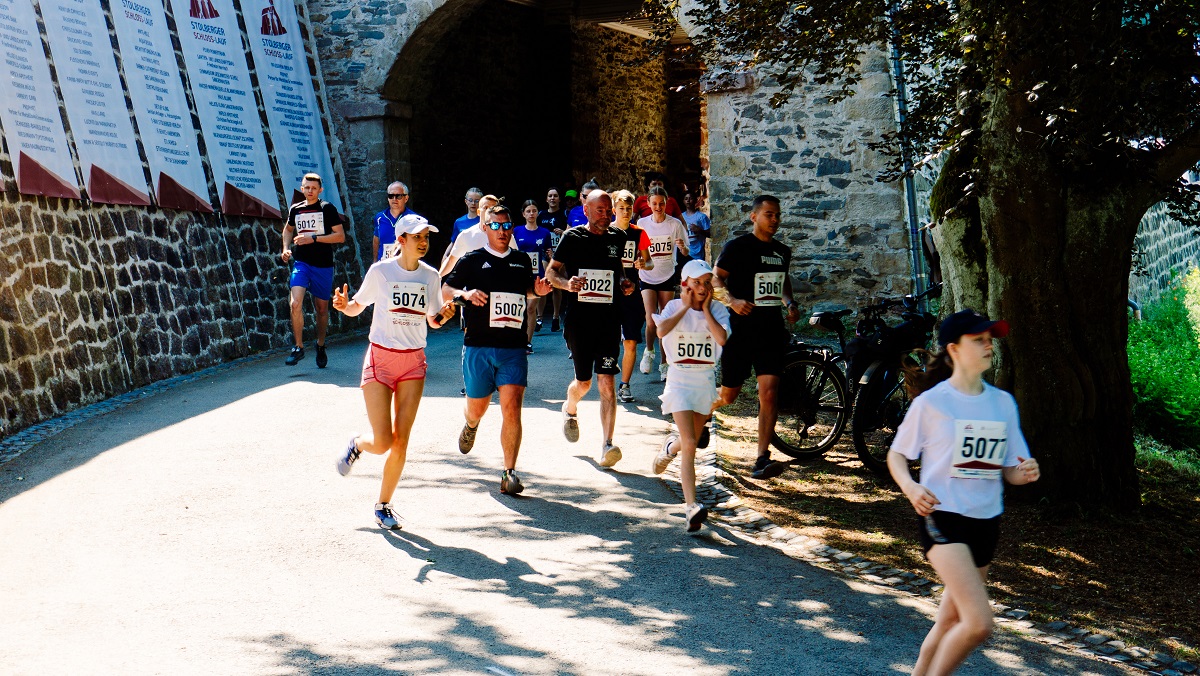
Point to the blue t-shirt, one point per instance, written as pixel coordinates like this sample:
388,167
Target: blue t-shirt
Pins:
531,242
463,224
385,228
696,244
576,216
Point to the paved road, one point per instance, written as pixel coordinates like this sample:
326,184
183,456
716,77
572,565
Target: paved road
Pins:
204,530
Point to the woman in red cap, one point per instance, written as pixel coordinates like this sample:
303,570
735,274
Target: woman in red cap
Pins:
967,435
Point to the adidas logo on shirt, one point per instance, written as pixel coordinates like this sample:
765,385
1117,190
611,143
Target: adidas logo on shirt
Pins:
486,265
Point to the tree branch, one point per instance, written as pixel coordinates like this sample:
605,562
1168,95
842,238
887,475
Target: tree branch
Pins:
1169,163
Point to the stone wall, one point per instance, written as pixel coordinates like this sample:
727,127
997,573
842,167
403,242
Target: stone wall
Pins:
846,230
1165,248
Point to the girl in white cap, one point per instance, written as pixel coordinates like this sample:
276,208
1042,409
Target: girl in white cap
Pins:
406,293
967,435
693,330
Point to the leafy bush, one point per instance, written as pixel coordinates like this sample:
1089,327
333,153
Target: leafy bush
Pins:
1164,365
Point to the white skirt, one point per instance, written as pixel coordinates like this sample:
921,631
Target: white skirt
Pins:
689,392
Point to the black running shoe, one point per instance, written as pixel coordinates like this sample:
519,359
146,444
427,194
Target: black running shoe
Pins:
322,358
702,442
295,357
554,324
766,468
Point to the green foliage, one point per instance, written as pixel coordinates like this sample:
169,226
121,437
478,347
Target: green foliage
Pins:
1151,452
1164,365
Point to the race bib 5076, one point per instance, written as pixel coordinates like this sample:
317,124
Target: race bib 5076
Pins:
695,351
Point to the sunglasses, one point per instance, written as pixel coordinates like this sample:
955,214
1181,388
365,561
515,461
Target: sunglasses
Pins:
396,196
499,226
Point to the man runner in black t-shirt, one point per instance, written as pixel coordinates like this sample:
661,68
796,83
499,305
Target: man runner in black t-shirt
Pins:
312,228
496,283
587,265
753,270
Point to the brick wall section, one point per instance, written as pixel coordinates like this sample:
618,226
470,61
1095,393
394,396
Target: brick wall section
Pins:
1166,248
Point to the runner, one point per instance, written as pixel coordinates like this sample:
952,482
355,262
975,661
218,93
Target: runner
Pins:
533,240
667,235
753,271
655,179
497,283
588,265
967,435
698,226
405,293
554,220
472,239
693,330
464,223
576,217
383,242
635,256
312,227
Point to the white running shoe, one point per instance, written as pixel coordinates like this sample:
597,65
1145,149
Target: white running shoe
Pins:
647,361
696,515
662,372
570,425
664,456
610,455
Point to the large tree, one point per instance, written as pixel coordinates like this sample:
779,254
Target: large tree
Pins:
1058,124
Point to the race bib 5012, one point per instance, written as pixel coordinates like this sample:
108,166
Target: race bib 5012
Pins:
980,447
311,223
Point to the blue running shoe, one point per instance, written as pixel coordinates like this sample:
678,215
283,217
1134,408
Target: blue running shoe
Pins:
385,517
347,459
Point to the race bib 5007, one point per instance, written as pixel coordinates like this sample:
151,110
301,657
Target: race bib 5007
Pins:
407,303
597,286
980,447
768,289
507,310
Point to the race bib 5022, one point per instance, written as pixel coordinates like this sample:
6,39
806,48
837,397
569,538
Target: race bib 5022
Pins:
597,286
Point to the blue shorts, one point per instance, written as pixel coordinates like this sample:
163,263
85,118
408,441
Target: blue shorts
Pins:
318,281
485,369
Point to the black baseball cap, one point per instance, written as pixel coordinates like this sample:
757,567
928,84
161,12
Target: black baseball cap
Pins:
968,323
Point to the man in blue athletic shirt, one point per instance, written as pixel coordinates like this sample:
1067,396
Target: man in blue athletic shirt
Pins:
385,221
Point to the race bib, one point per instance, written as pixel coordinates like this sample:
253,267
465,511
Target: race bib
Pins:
695,351
391,250
507,310
534,260
597,286
768,289
629,253
407,303
662,247
312,223
554,239
979,450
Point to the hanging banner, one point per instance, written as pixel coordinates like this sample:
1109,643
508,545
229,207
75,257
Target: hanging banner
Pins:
286,85
160,105
233,133
95,101
37,140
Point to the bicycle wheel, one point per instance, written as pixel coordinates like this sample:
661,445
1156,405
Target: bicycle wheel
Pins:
813,408
878,411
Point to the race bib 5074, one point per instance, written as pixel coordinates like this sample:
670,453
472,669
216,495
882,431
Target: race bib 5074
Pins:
407,303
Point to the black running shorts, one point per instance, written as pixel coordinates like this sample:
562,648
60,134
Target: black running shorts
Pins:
749,349
979,535
594,349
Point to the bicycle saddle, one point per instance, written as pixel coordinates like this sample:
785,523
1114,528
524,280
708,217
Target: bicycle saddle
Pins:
829,320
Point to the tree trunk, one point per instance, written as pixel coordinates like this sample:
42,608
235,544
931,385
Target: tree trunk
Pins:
1054,261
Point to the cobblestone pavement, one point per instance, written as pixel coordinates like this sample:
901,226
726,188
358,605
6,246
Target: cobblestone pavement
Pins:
201,528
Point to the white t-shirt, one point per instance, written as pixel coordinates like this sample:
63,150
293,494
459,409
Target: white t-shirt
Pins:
663,238
473,238
963,441
402,299
692,354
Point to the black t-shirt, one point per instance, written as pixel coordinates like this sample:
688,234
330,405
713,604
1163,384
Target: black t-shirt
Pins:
632,249
506,280
600,255
756,270
552,220
315,219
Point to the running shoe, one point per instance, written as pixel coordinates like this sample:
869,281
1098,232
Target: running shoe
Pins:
702,442
528,348
665,456
295,357
347,459
766,468
322,358
696,515
609,455
466,438
554,324
537,326
510,483
385,517
570,425
647,361
662,372
462,392
624,394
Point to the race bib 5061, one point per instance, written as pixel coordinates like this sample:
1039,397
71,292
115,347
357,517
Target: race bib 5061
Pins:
980,447
507,310
597,286
768,289
407,303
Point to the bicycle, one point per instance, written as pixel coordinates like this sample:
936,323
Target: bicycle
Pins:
818,385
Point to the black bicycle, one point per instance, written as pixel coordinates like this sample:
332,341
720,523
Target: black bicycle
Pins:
818,384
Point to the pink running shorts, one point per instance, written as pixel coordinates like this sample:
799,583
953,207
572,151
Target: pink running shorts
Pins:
388,367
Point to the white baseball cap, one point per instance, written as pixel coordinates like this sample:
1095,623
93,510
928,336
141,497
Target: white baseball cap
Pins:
694,269
412,223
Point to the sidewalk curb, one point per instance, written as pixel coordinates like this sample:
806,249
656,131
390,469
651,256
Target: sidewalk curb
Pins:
750,525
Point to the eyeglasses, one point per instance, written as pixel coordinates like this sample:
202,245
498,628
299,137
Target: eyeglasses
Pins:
500,226
396,196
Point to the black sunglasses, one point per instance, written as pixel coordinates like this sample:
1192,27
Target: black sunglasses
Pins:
500,226
396,196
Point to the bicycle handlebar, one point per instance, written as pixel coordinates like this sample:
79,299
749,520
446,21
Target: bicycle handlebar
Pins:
889,303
